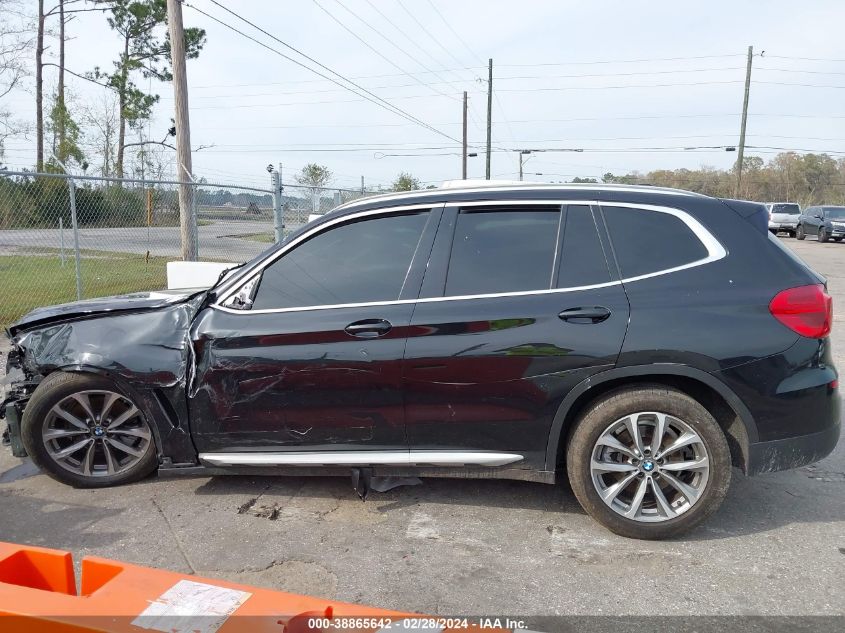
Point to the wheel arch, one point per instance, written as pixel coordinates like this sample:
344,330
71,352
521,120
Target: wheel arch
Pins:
733,416
162,419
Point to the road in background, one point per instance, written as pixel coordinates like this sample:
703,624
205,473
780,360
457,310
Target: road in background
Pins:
230,240
777,546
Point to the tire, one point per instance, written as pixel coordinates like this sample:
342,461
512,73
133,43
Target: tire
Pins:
837,239
799,232
651,520
100,459
824,236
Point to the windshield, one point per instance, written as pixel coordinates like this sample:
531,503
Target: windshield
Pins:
789,209
835,213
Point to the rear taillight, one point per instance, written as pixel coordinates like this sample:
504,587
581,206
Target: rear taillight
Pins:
807,310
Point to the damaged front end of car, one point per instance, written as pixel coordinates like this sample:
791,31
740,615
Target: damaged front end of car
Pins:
139,341
18,387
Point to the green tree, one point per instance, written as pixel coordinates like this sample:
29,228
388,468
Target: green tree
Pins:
145,50
67,136
314,178
405,182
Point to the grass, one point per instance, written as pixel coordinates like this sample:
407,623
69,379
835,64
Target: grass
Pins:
38,278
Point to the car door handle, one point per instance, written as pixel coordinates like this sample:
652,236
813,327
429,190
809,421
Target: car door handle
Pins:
369,328
592,314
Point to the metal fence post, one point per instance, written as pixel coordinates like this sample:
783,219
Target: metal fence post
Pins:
194,230
278,216
72,193
62,240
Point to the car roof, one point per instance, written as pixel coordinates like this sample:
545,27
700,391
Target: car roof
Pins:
499,190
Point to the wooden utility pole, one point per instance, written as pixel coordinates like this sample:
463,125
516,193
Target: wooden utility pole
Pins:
464,154
489,114
39,91
60,90
741,148
187,222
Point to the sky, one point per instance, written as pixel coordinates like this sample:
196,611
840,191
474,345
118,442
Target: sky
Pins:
615,79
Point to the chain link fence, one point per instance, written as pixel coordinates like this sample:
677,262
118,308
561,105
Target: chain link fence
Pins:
65,238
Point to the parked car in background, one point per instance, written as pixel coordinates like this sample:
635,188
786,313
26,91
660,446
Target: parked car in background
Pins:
639,340
783,217
826,222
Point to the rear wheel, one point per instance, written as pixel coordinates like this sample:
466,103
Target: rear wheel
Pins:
799,232
648,462
84,431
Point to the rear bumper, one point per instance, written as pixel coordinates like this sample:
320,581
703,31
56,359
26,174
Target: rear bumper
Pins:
792,452
795,405
782,226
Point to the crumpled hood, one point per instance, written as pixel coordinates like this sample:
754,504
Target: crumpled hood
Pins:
135,302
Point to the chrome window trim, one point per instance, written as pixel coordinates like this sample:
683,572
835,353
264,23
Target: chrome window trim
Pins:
229,288
715,252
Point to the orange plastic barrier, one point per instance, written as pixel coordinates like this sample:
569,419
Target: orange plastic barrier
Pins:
38,592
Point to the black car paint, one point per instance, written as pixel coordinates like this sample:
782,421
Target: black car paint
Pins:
523,371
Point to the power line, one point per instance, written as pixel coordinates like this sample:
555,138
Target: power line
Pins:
295,103
455,33
427,32
807,59
378,100
515,77
526,121
621,61
783,83
372,48
396,46
620,87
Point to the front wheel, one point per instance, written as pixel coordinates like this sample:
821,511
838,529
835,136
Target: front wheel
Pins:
824,235
84,431
799,232
648,462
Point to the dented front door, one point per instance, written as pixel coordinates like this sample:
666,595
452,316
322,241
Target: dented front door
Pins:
299,380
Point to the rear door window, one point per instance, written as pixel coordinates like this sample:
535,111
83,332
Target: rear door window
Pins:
647,241
502,250
582,260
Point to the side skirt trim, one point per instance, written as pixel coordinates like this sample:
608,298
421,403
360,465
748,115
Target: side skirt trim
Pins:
360,458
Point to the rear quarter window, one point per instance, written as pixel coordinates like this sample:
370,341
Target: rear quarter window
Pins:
647,241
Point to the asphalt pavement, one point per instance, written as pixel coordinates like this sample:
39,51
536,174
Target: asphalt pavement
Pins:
776,547
218,240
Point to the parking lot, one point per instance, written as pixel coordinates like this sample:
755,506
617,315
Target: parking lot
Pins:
776,547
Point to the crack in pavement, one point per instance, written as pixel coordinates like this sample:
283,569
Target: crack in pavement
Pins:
175,538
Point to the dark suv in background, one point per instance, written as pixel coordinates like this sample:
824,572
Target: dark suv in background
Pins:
826,222
642,340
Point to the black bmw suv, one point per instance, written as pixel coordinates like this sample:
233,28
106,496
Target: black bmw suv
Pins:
641,340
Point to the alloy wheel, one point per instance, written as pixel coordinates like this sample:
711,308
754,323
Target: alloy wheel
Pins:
650,467
96,433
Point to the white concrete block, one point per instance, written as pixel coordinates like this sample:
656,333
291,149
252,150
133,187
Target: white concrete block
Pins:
194,274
